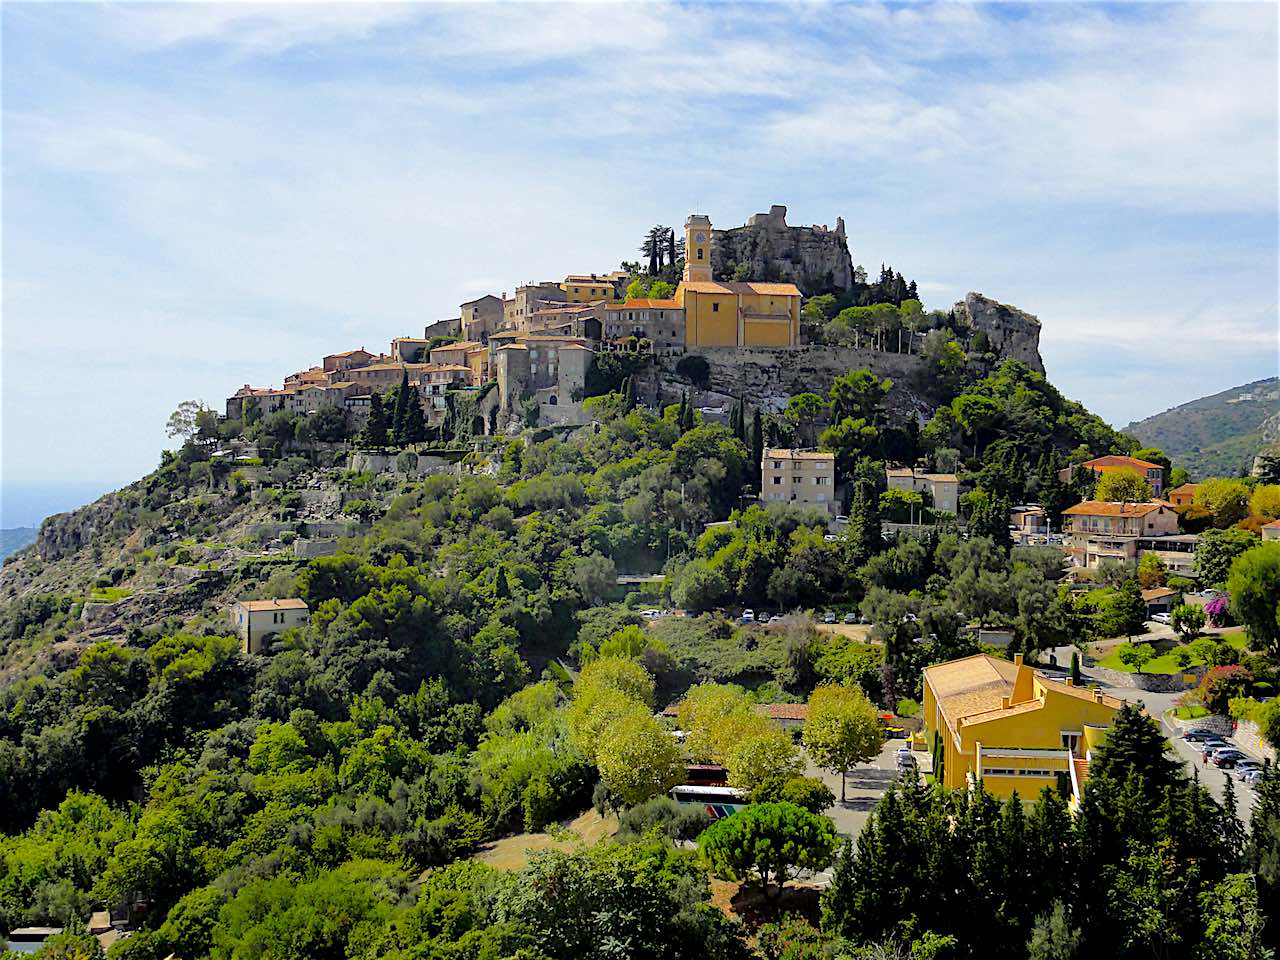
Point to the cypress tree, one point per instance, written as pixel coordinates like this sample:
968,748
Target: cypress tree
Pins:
398,411
1075,668
1233,832
629,393
757,447
502,587
682,415
414,429
374,433
864,524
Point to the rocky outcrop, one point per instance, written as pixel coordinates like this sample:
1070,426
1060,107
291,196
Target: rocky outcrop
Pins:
65,533
1011,332
816,259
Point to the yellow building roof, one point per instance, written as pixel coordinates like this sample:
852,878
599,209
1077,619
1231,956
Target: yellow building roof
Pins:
742,287
288,604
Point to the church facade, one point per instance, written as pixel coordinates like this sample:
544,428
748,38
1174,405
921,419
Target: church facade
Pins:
732,313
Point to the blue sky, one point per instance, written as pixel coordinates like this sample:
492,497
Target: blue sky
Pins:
199,196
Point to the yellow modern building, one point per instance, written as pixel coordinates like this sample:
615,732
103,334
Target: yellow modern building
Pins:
1011,727
732,313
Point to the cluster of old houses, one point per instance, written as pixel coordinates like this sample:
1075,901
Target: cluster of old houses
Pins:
538,344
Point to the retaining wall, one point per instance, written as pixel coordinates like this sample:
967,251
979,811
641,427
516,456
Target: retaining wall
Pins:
1153,682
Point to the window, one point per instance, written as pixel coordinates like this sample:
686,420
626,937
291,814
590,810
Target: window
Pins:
715,308
777,464
1070,739
822,481
777,481
699,253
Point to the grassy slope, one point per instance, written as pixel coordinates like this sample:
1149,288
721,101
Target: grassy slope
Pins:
1210,436
1165,663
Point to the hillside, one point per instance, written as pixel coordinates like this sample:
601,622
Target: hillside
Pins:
1216,435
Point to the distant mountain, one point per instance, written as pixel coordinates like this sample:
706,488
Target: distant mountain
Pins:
14,539
1217,435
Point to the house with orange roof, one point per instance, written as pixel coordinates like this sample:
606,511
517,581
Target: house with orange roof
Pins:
1153,473
1013,729
1271,531
1182,496
1098,529
347,360
256,621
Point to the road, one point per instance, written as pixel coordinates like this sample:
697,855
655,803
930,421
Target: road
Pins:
865,786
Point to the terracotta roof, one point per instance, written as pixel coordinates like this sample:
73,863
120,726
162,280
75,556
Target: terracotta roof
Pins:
784,453
589,281
1156,593
742,287
342,383
1111,460
460,345
935,477
973,685
645,303
1273,525
292,603
487,296
348,353
446,367
1106,508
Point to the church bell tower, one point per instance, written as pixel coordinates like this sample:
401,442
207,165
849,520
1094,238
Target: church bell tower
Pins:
697,248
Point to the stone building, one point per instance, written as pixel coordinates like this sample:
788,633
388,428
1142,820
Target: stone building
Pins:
346,361
517,313
550,369
256,621
799,476
480,318
943,488
661,322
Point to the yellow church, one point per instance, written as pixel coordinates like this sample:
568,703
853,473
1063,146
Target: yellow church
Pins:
722,313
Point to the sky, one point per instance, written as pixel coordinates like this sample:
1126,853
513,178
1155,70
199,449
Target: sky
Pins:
201,196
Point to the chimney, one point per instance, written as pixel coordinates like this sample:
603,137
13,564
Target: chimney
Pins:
1069,682
1097,696
1005,701
1017,659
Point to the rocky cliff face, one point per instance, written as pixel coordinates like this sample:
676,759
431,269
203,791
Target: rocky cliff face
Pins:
1012,332
816,259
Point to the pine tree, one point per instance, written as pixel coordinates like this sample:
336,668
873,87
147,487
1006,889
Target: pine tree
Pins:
1135,745
374,433
1233,832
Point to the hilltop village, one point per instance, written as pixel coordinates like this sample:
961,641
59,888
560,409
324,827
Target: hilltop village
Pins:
538,344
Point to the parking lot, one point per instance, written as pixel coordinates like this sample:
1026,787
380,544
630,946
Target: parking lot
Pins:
866,784
1214,778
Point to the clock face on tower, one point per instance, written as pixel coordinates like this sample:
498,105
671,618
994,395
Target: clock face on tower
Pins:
700,237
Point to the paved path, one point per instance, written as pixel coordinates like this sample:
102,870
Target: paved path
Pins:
865,786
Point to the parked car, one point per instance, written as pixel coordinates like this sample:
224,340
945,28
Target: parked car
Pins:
903,757
850,618
1225,748
1246,764
1252,776
1197,734
1228,758
828,617
748,616
1162,618
1209,744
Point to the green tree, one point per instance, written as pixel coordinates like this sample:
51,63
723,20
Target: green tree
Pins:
802,410
1217,550
637,759
1254,586
1188,620
768,841
374,432
1135,655
754,759
858,395
1122,485
842,730
1053,937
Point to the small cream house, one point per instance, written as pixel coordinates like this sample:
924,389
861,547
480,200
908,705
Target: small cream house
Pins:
256,620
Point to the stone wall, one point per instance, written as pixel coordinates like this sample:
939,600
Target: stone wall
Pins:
363,461
1249,738
1154,682
768,376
